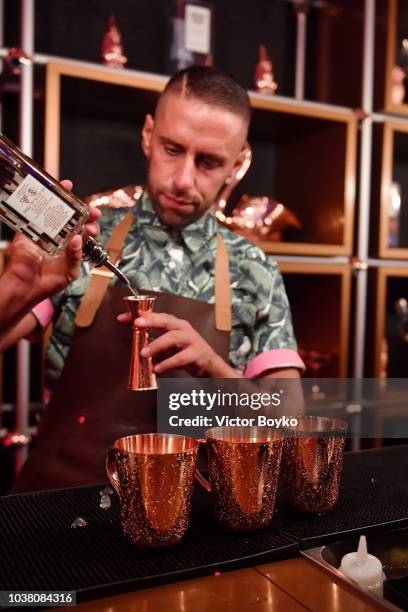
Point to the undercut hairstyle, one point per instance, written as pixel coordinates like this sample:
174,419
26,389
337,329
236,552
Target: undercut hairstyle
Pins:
213,87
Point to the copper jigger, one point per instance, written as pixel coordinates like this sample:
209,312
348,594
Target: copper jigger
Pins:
243,466
312,462
141,375
153,474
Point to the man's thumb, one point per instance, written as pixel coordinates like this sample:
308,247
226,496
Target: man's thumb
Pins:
74,248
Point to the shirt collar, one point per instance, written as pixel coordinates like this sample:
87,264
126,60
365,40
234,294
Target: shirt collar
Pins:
194,236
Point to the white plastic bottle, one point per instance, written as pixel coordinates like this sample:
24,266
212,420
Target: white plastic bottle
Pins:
363,568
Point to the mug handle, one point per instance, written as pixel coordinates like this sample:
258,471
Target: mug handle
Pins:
111,469
199,477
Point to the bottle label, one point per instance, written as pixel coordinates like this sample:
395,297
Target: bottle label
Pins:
44,211
197,29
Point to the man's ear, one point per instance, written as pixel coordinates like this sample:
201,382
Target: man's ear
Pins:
147,135
241,165
237,173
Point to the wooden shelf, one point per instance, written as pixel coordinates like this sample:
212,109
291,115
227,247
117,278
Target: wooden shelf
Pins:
56,71
397,22
291,164
390,284
319,296
392,236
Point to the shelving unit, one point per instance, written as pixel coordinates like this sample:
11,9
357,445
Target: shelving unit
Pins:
389,220
300,136
61,72
284,133
391,347
393,190
397,20
329,285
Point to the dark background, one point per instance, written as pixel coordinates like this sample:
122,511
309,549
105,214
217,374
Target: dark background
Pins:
74,29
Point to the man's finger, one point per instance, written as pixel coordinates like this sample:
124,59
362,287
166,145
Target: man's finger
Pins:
67,184
160,320
94,214
124,317
91,229
74,249
172,339
180,360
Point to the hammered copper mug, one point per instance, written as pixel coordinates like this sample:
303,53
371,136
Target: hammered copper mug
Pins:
243,468
153,475
312,462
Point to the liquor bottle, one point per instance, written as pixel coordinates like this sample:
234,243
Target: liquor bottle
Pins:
191,37
34,203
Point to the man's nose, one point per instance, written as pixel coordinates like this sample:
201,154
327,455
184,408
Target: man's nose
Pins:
183,176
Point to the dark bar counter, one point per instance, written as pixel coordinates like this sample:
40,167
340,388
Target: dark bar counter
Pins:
211,568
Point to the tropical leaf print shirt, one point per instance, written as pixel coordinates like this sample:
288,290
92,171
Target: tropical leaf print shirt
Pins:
182,262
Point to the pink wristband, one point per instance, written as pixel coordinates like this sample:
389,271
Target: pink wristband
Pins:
273,359
44,312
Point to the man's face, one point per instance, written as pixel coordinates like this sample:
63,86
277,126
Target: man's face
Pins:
192,148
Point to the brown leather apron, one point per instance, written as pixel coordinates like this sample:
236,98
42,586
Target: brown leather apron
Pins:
91,406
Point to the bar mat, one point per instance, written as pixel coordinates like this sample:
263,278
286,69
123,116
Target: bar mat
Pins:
40,550
373,496
396,591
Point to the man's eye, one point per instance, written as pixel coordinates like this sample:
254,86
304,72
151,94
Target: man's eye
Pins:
171,150
208,164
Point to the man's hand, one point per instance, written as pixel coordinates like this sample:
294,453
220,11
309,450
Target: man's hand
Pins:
190,350
30,269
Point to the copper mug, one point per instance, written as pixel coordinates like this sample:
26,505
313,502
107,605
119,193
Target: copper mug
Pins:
243,468
153,475
312,462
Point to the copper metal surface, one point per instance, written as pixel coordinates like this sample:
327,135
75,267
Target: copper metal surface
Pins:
243,465
262,217
118,197
312,462
141,374
153,474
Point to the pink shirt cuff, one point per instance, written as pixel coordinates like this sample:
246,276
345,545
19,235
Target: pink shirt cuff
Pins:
44,312
273,359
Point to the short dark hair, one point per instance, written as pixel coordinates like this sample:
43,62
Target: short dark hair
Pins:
212,86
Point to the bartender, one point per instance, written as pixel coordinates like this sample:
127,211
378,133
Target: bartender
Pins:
222,309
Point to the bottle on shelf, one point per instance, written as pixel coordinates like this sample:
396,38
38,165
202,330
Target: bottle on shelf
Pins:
190,35
34,203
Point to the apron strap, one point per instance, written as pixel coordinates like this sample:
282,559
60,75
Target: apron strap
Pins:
222,287
101,277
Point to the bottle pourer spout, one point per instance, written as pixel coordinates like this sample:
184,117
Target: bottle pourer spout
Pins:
95,253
